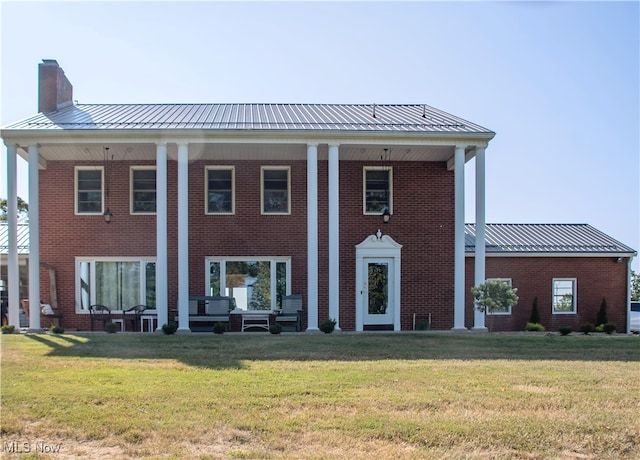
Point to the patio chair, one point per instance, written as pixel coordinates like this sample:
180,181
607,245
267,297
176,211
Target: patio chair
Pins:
101,314
291,310
133,315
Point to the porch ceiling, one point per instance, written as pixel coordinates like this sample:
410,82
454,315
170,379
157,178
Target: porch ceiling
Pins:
85,152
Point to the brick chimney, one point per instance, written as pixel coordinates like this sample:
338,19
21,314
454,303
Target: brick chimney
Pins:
54,90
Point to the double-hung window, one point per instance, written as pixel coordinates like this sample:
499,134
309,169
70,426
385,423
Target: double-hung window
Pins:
256,283
378,190
143,190
89,182
220,185
505,310
118,283
564,295
276,190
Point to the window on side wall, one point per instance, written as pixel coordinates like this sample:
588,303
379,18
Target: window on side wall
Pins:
564,295
89,189
118,283
220,190
276,190
143,190
378,190
256,283
506,310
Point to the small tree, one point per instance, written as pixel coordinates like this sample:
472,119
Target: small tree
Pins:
602,313
494,295
23,208
635,286
535,315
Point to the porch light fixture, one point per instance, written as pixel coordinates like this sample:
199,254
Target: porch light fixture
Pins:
386,215
107,214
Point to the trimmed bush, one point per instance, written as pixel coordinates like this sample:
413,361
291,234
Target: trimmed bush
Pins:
169,328
328,326
8,329
56,329
609,328
275,328
535,315
602,317
565,330
535,327
219,328
111,328
586,328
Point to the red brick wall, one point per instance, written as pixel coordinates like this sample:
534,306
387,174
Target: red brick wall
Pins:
422,223
597,277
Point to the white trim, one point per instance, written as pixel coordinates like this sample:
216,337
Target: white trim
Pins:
574,296
459,240
75,188
364,188
233,189
275,168
501,313
333,169
312,237
131,189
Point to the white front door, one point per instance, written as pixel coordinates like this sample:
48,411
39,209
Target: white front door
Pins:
378,292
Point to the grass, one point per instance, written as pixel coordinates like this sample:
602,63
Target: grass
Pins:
338,396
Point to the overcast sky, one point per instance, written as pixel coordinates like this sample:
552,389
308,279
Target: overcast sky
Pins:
559,83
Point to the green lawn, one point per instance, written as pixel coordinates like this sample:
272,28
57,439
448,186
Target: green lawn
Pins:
316,396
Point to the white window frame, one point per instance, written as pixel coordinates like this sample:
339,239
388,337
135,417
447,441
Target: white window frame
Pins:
233,189
92,278
131,190
76,191
275,168
503,313
574,282
273,266
364,188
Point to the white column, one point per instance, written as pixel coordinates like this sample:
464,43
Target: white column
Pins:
162,277
183,237
13,272
458,307
334,235
34,240
312,237
479,272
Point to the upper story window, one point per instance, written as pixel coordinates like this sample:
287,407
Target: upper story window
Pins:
143,190
89,189
505,310
564,295
378,190
220,189
276,190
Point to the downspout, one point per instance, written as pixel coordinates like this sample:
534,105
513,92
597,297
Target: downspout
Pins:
629,295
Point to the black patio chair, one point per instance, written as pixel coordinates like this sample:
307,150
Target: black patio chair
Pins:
133,315
100,314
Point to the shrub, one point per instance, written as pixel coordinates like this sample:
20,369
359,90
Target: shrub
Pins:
169,328
8,329
56,329
602,313
609,328
111,328
275,328
600,328
219,328
586,328
535,315
328,326
535,327
565,330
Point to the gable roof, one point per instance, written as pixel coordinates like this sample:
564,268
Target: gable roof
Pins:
23,238
417,118
545,239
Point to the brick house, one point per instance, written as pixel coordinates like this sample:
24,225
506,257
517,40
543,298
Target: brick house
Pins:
358,208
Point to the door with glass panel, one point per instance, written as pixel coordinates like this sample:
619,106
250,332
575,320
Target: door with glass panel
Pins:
378,299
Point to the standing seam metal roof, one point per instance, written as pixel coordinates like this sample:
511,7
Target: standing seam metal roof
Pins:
342,117
544,238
